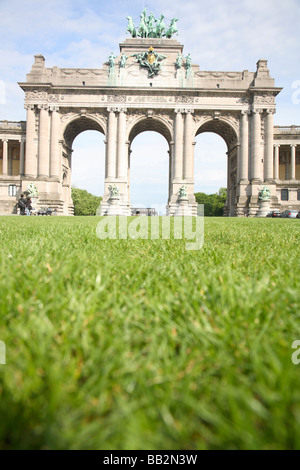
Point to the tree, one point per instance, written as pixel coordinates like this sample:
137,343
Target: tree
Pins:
84,202
213,203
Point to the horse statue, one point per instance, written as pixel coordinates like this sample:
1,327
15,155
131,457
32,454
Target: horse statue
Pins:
172,28
151,25
160,27
131,28
143,30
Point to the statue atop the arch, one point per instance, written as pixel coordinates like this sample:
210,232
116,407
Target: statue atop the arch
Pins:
111,61
151,27
151,60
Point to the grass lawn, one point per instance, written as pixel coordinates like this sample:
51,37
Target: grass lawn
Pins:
141,344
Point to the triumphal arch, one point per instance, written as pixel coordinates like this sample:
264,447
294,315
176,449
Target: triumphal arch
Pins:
151,85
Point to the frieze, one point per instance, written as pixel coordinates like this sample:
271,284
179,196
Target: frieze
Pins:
220,75
36,94
53,97
82,72
264,99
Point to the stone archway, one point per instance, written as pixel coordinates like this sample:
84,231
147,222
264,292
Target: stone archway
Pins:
228,129
73,125
150,86
158,124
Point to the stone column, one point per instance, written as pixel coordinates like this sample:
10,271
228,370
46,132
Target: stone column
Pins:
293,162
244,145
268,154
22,153
188,149
111,144
43,146
178,145
55,156
227,203
255,145
31,158
276,162
5,157
122,152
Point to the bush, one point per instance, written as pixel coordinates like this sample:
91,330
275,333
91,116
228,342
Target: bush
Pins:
213,203
84,202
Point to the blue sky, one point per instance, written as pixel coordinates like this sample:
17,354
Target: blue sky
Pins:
220,35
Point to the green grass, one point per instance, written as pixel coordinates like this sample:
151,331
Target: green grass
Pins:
140,344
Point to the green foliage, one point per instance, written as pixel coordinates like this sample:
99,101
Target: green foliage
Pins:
84,203
141,344
213,203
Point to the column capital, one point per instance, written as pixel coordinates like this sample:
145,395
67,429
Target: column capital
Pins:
53,108
178,110
293,145
270,111
188,111
276,145
44,107
257,111
5,139
29,107
115,109
245,112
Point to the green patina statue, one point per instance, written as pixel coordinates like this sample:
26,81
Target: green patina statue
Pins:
150,60
150,27
188,62
123,61
113,190
32,190
111,61
264,194
178,62
182,192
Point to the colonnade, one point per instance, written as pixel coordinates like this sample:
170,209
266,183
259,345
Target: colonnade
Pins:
5,143
255,162
42,157
292,166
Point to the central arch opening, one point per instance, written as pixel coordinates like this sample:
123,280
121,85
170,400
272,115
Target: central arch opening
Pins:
149,171
149,164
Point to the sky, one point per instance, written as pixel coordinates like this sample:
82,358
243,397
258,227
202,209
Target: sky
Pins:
220,35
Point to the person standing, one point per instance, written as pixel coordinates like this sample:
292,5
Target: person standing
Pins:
28,206
22,205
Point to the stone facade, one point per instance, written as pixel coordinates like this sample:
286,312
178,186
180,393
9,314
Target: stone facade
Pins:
123,99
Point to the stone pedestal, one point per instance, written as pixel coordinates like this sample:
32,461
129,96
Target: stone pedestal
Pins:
114,206
264,206
34,204
183,207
